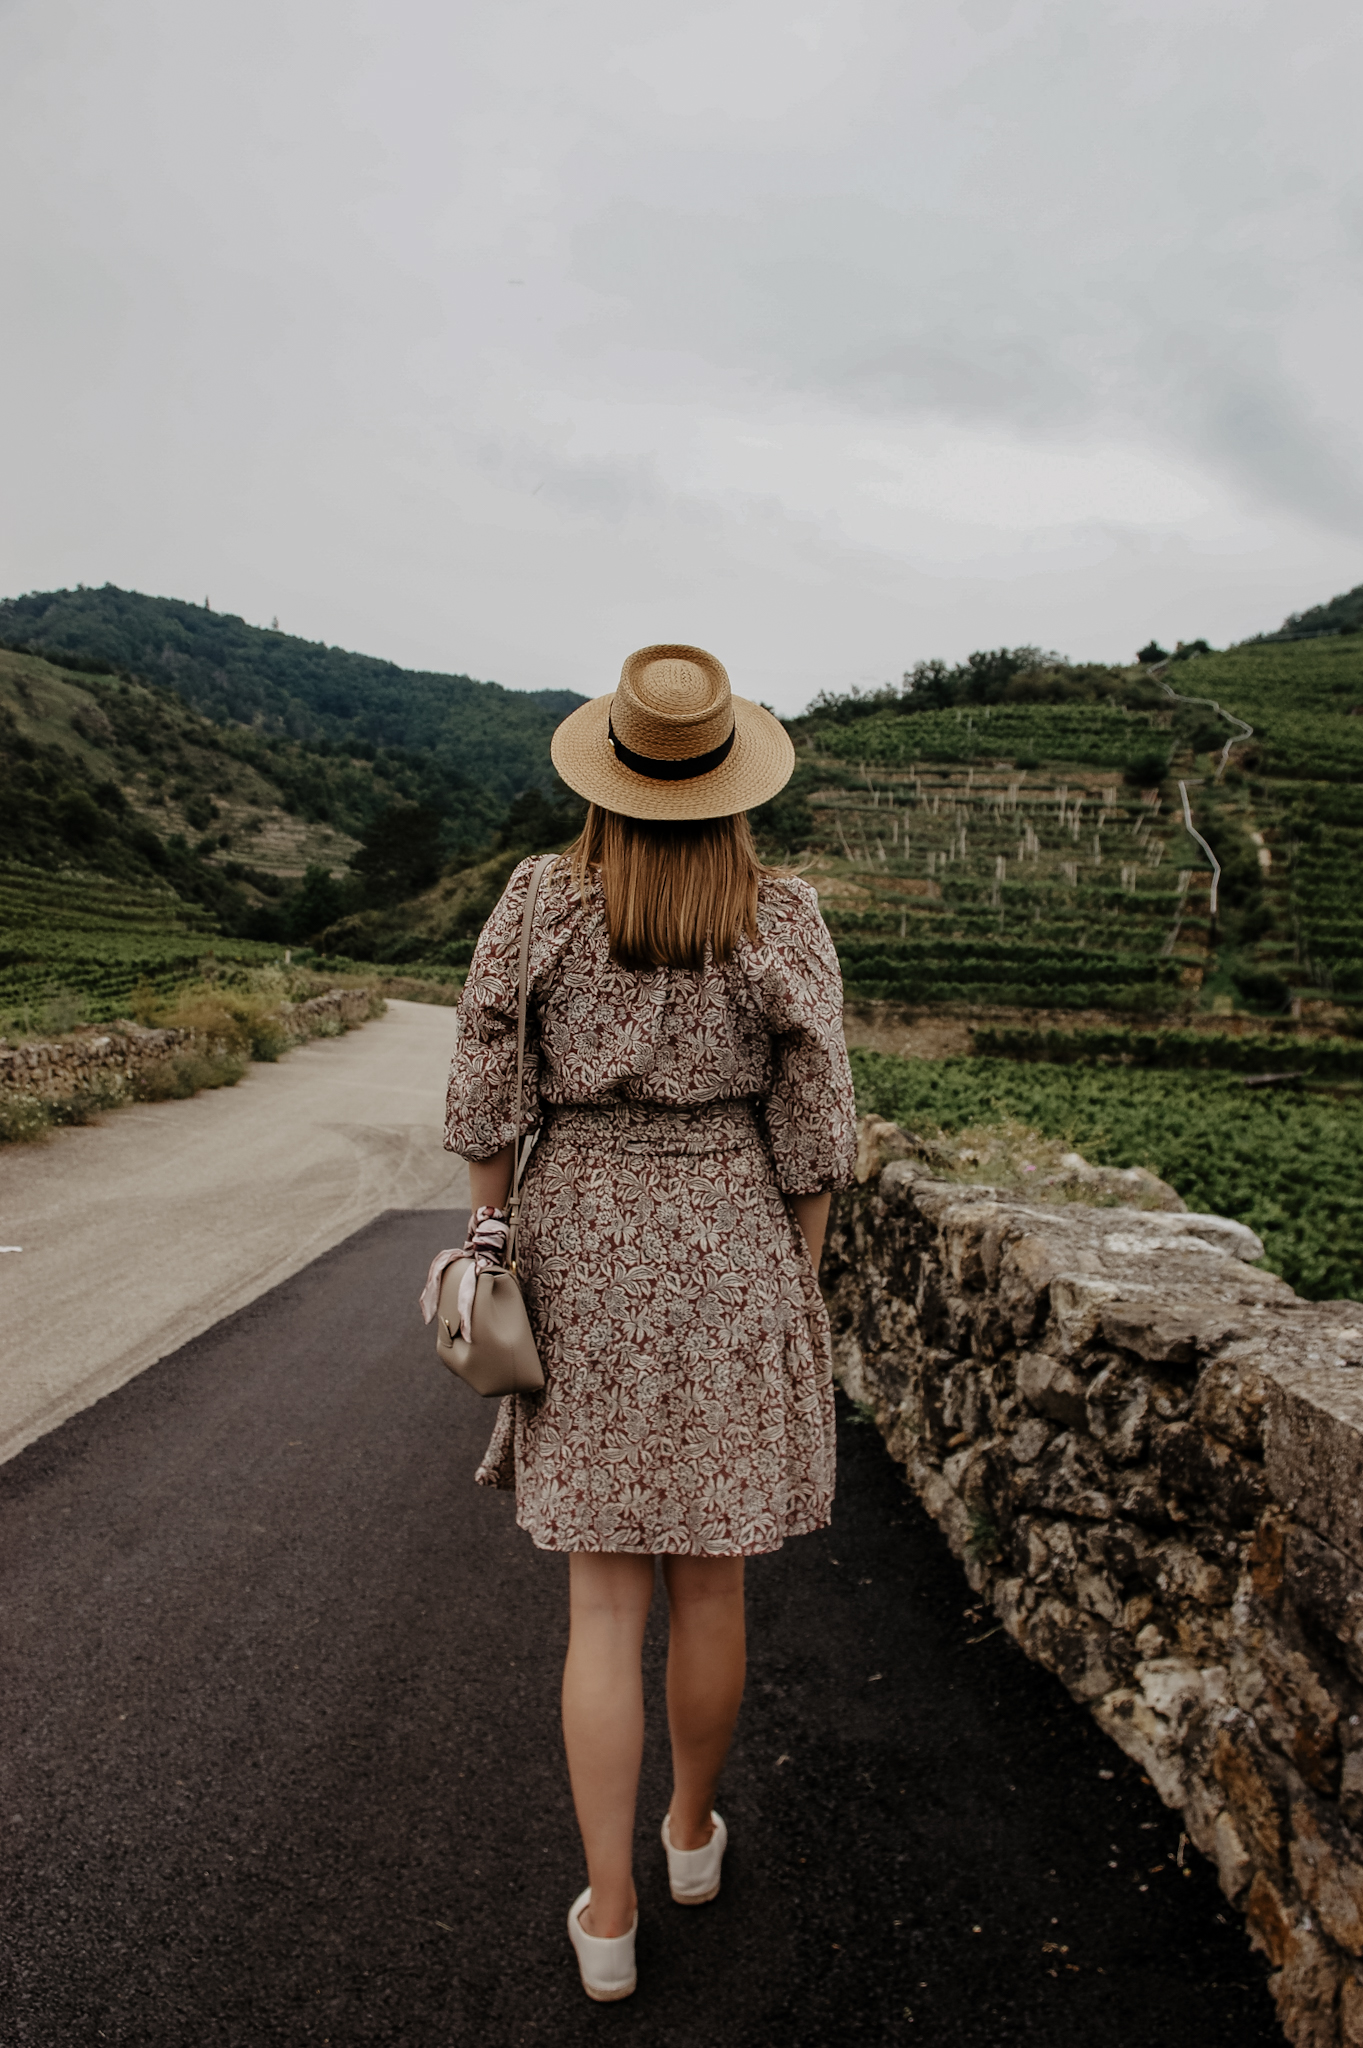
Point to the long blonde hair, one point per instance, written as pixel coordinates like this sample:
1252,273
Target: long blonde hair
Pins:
671,885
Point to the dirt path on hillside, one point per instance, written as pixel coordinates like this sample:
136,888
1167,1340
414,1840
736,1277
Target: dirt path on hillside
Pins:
141,1232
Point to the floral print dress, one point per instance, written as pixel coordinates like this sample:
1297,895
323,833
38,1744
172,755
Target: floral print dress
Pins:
688,1405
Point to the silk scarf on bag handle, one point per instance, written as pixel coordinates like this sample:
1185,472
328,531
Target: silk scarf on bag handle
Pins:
499,1355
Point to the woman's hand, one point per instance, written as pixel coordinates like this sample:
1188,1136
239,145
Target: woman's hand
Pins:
811,1213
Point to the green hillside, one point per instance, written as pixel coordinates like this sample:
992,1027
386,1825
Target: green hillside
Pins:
176,784
1099,735
1291,804
998,843
117,778
139,836
1033,854
478,745
1009,834
1004,834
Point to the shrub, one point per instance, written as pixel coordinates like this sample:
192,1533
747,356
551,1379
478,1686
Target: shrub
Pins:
1147,768
242,1021
786,822
212,1020
87,1105
62,1012
200,812
24,1119
184,1074
984,1539
268,1037
1259,985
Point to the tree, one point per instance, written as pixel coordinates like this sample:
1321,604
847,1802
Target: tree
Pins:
1147,769
1152,652
786,821
533,821
80,818
400,853
319,900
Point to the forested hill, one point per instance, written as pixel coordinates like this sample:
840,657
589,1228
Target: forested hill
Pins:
480,736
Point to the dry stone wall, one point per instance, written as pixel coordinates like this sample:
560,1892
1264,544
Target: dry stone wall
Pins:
111,1061
343,1006
1148,1455
91,1063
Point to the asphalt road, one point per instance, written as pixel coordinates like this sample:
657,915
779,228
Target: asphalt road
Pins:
279,1759
139,1232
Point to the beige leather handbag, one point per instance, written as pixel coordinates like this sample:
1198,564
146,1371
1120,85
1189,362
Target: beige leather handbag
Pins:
499,1356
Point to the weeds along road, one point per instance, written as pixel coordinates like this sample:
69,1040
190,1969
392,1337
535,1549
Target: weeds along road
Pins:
141,1232
280,1761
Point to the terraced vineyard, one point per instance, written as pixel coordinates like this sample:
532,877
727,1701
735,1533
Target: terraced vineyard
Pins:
36,898
986,883
1291,817
1096,735
995,885
1313,838
84,943
952,870
1303,699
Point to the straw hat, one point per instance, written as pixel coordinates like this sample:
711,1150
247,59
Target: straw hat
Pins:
673,742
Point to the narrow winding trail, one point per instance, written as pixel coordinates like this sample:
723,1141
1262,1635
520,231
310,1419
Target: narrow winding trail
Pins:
279,1758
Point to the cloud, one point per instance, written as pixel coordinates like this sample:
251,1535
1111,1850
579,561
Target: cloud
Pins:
843,331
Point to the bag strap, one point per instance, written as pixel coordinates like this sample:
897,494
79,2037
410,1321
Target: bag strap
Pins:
522,1152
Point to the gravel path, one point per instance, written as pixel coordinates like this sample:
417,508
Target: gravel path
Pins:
279,1758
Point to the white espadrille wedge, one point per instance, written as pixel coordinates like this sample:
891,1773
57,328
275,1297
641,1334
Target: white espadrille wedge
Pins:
607,1967
694,1873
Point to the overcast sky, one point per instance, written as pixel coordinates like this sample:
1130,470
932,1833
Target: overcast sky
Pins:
828,334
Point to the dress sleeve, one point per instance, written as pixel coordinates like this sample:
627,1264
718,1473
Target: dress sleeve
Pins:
481,1098
810,1109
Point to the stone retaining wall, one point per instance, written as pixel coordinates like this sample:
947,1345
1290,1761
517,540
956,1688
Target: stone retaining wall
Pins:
90,1063
1149,1457
345,1006
101,1062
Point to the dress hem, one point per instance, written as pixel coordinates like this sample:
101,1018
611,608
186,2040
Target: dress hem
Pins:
805,1526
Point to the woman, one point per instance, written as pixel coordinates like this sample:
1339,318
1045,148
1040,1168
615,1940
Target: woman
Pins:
694,1107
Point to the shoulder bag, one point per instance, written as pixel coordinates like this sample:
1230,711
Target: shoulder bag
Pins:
499,1356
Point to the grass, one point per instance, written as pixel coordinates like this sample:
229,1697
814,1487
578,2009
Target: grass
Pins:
1015,1155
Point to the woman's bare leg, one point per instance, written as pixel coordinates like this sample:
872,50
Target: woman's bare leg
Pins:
706,1666
603,1723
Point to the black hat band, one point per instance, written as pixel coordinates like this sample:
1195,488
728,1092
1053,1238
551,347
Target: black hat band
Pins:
671,771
